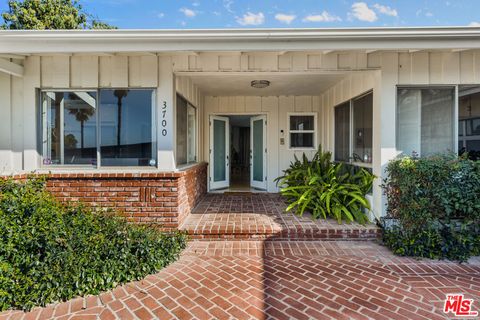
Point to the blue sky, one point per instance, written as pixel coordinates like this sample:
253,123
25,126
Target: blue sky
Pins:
145,14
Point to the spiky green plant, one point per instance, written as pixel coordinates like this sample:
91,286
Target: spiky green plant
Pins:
326,189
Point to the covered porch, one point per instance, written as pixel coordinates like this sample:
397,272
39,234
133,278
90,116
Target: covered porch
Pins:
249,135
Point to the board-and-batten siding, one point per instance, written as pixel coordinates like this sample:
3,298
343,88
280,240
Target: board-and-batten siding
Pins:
99,71
270,61
276,109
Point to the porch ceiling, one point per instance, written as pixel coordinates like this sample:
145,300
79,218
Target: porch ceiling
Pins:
280,84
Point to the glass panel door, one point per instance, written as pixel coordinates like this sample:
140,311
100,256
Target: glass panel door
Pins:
258,152
219,152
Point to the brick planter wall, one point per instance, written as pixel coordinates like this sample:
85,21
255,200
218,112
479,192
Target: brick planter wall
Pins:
163,198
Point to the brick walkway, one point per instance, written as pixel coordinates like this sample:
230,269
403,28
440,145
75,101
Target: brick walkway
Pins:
281,280
261,216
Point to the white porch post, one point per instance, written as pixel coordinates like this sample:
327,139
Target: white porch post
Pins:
31,82
385,120
165,115
5,128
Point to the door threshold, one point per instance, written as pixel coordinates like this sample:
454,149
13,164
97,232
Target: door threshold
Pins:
238,191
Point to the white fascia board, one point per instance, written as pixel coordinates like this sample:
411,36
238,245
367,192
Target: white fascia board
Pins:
11,68
54,41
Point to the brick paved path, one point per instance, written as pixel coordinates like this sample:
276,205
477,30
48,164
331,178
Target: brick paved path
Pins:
281,280
261,216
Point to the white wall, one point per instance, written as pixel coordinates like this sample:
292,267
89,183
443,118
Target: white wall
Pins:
270,61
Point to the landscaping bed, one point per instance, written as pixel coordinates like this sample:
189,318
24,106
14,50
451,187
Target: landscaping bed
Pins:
50,252
433,207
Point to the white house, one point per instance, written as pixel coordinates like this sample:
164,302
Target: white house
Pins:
244,101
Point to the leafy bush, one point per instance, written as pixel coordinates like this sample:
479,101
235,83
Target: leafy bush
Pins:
434,203
326,189
49,252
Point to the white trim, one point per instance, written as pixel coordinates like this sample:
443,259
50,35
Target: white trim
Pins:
455,121
255,183
224,183
151,41
11,68
314,131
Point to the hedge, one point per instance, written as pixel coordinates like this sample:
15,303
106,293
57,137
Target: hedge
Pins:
433,207
50,252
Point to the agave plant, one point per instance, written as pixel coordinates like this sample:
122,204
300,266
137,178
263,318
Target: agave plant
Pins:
326,189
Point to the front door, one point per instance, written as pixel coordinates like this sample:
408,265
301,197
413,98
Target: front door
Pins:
258,152
219,152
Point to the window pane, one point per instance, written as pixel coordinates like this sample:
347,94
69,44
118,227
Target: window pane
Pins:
437,121
342,132
258,148
182,116
191,133
408,114
219,150
301,140
363,128
73,140
425,120
186,131
302,123
469,120
127,130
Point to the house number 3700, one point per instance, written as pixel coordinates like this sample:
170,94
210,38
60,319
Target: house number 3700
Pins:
164,120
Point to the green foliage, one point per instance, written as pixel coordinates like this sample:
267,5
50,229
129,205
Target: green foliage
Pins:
326,189
50,253
49,14
435,204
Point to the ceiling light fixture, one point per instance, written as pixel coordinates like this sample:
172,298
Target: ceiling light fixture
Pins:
260,84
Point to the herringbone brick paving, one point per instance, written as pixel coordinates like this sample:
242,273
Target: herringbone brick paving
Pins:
280,280
262,216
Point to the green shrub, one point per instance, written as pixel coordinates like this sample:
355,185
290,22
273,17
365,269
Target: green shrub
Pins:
49,252
434,203
326,189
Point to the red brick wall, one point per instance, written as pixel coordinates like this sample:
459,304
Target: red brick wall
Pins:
192,186
161,198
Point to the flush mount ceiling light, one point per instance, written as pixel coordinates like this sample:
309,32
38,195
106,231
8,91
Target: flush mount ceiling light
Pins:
260,84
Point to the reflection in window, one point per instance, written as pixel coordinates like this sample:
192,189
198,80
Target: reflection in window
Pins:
127,128
356,115
186,131
302,131
425,120
342,132
469,121
69,128
363,128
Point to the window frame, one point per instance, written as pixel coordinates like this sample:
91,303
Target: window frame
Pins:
98,166
454,115
351,133
196,132
314,131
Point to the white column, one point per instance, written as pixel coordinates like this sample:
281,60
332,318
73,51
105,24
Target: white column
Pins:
31,81
6,126
165,115
384,110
